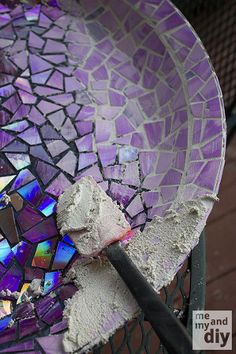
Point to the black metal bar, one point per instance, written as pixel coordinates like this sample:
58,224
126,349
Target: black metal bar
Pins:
169,329
198,280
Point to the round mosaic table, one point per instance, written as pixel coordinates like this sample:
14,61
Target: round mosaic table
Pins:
122,91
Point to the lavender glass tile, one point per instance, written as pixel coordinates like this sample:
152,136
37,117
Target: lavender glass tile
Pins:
121,193
93,171
107,154
85,143
59,185
68,163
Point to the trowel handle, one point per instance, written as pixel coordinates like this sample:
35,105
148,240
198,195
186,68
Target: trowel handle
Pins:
169,329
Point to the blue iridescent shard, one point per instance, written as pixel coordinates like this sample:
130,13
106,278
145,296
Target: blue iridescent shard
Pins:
63,255
31,192
6,253
52,281
47,205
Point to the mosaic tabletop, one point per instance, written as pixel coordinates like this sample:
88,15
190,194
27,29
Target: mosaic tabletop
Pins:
119,90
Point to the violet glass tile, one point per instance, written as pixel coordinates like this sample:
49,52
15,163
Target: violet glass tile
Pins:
28,326
11,279
28,217
107,154
46,229
103,130
59,185
121,193
85,144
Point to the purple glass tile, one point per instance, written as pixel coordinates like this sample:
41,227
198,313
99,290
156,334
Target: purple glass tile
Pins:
127,154
63,256
58,327
28,217
148,104
5,168
25,346
213,148
93,171
59,185
154,132
41,78
54,33
5,139
57,119
47,205
147,161
8,335
35,41
85,144
53,314
86,159
137,140
68,131
84,127
116,99
47,107
11,279
40,153
54,47
135,207
67,291
164,161
131,175
21,252
36,117
45,171
107,154
56,80
114,172
182,139
164,93
23,177
103,130
212,128
24,310
44,304
37,64
63,99
56,147
207,178
185,36
48,132
129,71
121,193
149,80
172,177
46,229
19,161
28,326
72,110
123,126
8,225
52,344
150,198
193,171
154,43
